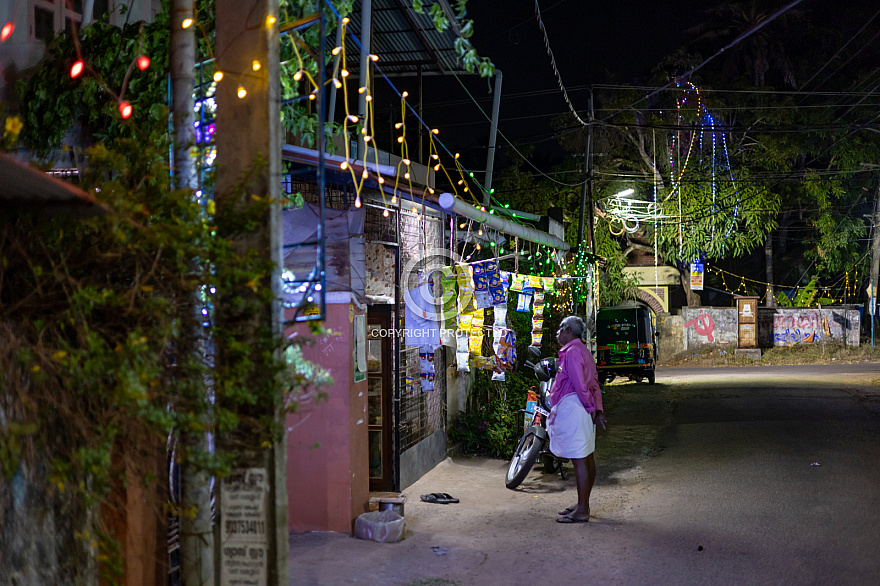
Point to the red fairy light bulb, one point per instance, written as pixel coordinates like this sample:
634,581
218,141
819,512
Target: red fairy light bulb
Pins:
6,31
143,62
125,109
77,68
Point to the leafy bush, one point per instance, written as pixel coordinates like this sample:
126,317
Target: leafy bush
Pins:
492,425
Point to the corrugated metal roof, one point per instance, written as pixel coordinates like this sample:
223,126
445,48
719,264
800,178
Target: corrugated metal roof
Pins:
405,40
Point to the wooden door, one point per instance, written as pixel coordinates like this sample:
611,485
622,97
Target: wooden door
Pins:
380,380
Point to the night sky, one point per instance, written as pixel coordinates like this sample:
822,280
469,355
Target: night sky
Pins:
592,41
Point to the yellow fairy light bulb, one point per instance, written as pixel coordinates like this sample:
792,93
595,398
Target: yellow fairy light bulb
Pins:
415,211
241,92
337,83
385,213
312,96
357,201
368,138
435,157
465,188
344,72
460,181
457,155
270,20
374,57
478,247
398,125
365,174
431,190
437,167
461,226
218,75
256,65
298,75
343,165
406,175
393,199
362,89
405,94
352,118
345,20
435,130
187,22
381,181
406,162
480,232
400,139
363,130
336,50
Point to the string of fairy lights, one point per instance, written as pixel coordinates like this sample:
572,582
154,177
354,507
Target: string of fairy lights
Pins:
542,258
849,281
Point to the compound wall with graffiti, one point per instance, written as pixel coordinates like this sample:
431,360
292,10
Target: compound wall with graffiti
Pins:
777,326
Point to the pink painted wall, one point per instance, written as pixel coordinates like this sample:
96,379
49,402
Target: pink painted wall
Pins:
327,459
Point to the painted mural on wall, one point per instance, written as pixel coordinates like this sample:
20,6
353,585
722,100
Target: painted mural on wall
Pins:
708,325
786,327
779,326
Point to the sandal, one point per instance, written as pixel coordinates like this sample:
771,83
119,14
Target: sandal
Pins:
441,498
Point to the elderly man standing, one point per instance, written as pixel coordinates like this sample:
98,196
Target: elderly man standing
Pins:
577,408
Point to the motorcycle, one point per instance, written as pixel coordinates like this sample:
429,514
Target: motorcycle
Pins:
535,442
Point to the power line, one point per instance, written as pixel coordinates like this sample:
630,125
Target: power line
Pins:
851,39
510,143
553,63
688,73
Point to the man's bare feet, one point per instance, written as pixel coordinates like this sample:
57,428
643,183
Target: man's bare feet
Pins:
571,510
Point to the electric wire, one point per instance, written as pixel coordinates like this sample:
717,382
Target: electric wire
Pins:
553,63
688,73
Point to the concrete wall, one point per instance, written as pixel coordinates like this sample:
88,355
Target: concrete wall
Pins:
421,458
708,326
327,442
786,326
777,326
458,387
670,336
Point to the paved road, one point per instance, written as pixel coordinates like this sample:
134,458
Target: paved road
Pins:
766,475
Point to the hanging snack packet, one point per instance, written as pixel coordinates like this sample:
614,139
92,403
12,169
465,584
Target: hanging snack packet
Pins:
536,338
524,302
516,283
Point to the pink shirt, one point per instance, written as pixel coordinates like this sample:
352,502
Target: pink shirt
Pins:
577,374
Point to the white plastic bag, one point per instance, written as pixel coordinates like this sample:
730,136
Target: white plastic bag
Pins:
381,526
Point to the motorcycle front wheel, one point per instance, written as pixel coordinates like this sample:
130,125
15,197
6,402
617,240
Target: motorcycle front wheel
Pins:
523,459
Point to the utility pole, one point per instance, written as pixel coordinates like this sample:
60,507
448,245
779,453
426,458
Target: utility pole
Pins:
875,260
493,132
196,535
253,497
586,210
363,73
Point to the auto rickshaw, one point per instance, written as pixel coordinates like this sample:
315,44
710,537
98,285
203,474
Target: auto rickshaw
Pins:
625,343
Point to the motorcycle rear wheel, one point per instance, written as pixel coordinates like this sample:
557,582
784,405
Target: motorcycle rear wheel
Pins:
523,459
